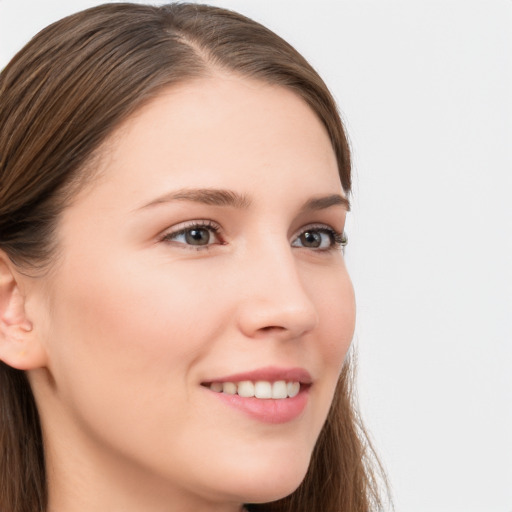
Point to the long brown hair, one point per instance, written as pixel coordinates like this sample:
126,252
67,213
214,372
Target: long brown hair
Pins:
60,97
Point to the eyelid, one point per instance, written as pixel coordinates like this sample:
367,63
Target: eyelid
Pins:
179,229
340,238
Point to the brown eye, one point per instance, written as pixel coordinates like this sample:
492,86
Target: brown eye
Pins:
319,238
195,235
311,239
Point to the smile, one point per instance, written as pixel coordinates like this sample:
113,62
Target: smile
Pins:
262,389
270,394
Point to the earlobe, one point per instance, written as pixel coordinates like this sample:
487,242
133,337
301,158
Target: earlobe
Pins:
19,346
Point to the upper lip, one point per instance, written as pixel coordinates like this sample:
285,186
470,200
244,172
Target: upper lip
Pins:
269,373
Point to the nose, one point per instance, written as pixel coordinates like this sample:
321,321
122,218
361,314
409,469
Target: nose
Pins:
273,300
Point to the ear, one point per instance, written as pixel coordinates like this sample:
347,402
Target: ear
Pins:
19,346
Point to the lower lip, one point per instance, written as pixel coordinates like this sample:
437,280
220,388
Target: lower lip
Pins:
267,410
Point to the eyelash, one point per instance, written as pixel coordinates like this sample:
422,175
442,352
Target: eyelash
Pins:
209,225
338,240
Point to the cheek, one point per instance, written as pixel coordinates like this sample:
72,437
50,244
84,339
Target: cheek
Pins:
335,302
126,328
123,351
341,324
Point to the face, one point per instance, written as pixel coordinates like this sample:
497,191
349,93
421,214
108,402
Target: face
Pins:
207,254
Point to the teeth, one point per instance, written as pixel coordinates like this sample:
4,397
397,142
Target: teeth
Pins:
246,389
263,389
279,389
293,389
260,389
229,388
217,386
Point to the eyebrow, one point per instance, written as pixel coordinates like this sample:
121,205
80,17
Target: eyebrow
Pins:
216,197
321,203
221,197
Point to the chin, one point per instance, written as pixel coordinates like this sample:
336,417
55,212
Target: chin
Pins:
270,491
271,483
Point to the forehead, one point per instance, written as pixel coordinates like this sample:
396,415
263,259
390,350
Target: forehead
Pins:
219,131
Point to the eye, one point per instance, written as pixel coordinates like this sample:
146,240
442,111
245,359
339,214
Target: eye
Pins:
196,234
320,238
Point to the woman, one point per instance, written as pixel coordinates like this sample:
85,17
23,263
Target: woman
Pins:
175,309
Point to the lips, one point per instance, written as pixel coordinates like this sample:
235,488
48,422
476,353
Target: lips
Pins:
269,374
271,394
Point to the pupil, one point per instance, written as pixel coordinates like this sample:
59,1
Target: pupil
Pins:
311,239
197,236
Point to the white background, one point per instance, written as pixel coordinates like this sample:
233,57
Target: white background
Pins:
425,88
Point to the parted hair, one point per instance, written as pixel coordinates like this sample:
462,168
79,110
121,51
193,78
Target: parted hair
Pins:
61,96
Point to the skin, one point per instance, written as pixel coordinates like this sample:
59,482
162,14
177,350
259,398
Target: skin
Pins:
129,324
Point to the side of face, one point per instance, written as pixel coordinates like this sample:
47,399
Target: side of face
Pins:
200,253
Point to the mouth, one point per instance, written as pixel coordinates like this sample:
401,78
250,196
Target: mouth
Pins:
262,389
269,395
